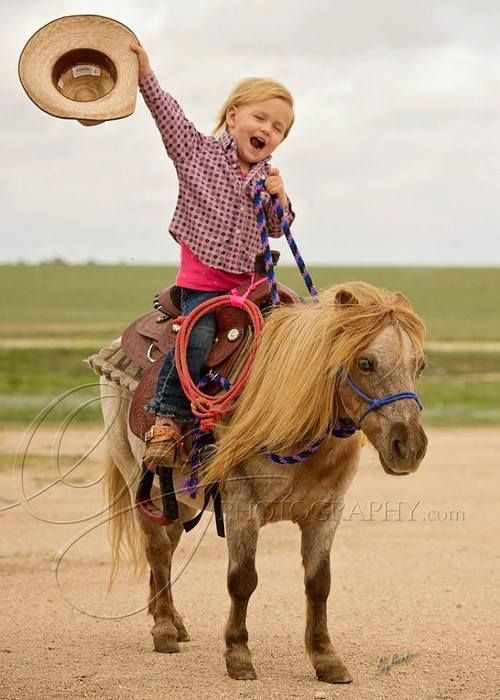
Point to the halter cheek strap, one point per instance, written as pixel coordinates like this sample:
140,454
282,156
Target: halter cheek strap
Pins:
375,403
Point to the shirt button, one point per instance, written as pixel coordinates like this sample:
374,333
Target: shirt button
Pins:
238,230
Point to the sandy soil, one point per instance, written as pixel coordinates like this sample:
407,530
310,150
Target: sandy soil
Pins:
414,608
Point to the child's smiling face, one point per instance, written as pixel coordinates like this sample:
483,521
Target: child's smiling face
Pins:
258,128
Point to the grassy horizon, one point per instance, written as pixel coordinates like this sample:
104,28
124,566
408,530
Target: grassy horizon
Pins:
93,300
94,304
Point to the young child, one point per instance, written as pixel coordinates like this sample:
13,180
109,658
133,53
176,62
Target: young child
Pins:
214,222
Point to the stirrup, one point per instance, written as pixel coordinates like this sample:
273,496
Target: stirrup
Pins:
145,506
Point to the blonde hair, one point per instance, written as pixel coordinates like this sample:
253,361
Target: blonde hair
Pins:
251,90
291,394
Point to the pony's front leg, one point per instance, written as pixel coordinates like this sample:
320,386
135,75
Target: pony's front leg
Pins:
242,534
317,538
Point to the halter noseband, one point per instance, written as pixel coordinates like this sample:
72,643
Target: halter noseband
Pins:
378,403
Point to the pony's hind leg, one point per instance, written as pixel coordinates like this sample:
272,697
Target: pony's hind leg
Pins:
159,551
241,583
161,543
174,533
317,538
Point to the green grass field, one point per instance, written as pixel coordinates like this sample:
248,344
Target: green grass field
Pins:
92,304
98,300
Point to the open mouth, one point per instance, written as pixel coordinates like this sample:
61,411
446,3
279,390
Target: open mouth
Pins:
257,143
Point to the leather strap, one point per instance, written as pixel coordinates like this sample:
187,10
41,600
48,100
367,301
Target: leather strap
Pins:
213,492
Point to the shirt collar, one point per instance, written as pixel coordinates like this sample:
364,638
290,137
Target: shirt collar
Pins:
229,146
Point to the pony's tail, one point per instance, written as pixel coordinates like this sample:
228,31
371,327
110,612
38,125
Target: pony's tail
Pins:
125,536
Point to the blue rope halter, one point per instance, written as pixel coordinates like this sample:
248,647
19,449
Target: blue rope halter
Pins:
375,404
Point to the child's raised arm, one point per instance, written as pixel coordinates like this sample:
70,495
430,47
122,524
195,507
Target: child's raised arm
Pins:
179,135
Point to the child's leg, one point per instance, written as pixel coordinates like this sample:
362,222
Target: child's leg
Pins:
170,404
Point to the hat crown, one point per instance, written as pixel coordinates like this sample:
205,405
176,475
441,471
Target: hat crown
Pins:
84,75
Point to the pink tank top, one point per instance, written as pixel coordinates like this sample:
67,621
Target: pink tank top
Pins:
194,274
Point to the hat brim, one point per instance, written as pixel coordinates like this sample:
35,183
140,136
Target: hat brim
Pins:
90,32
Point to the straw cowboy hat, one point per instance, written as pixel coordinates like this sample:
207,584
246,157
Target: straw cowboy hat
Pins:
81,67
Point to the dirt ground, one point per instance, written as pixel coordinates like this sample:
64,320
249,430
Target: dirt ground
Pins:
414,608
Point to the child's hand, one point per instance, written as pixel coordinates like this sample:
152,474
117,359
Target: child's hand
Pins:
274,185
144,67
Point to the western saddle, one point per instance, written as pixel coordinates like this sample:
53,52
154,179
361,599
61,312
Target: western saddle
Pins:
148,339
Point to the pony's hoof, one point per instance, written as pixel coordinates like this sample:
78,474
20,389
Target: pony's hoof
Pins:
240,670
166,645
334,674
165,640
242,674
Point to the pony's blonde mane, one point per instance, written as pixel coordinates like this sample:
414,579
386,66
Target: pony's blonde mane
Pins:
290,398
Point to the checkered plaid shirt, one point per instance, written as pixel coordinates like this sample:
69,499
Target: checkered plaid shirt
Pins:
214,215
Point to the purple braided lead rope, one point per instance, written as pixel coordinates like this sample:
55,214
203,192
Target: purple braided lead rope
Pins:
293,247
192,481
343,428
338,430
212,377
299,457
264,237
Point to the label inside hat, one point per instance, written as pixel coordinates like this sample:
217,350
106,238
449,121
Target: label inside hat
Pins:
78,71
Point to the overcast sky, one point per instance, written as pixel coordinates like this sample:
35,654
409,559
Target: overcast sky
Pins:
393,158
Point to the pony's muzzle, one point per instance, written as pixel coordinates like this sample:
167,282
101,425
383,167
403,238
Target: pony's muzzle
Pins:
407,448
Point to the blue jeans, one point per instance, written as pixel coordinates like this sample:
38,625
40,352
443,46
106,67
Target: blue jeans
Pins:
169,399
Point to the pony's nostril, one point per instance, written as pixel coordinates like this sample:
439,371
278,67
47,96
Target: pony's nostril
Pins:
400,450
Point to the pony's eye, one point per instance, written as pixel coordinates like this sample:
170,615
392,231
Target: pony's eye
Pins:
365,365
421,367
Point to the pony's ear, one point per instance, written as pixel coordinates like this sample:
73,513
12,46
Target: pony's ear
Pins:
402,300
344,296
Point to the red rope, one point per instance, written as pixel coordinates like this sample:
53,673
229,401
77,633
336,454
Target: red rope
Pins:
210,408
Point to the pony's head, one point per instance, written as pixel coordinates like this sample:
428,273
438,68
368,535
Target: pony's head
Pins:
298,386
387,341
